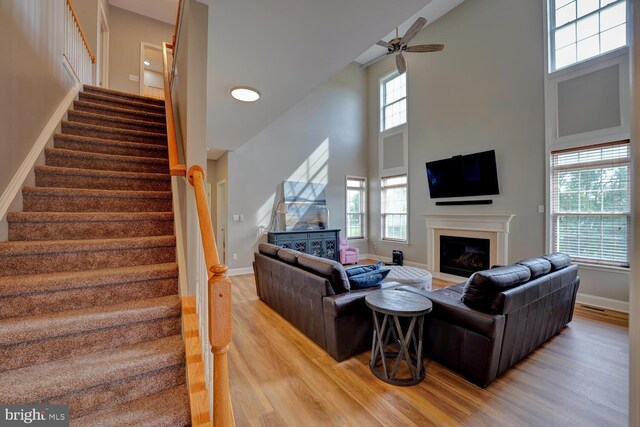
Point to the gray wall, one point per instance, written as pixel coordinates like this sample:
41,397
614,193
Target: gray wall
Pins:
324,133
484,91
33,80
126,31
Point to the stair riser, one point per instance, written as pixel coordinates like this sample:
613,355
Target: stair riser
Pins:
114,134
55,159
104,148
47,179
84,260
116,124
88,230
119,103
130,114
31,353
76,299
33,203
124,97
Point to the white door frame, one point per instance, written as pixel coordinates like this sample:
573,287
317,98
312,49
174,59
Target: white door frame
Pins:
102,67
221,219
143,46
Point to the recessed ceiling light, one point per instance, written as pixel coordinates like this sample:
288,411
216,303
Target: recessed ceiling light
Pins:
147,63
245,93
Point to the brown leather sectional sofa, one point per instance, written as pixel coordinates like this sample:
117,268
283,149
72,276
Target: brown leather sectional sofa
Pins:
479,328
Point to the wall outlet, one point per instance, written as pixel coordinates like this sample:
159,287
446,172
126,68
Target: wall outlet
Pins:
134,78
235,257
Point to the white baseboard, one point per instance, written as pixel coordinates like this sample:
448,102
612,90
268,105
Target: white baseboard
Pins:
183,286
29,162
239,271
601,302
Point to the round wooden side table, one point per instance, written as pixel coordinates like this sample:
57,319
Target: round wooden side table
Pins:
398,319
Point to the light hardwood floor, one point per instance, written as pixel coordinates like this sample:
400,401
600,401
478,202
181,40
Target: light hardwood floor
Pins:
281,378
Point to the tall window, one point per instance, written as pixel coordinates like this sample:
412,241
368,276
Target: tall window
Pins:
583,29
394,208
356,207
590,203
393,99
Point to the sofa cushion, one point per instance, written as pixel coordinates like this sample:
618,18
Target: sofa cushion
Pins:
537,266
331,270
361,269
558,260
268,249
368,279
482,288
289,256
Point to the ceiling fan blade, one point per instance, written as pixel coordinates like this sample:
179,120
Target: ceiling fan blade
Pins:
413,30
425,48
401,64
383,43
374,60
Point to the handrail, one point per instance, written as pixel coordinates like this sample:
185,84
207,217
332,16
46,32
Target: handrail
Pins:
175,167
219,287
84,38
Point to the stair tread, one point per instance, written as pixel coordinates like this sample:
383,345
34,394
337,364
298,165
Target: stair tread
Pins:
100,156
88,216
107,129
49,282
134,104
134,96
109,142
115,119
99,173
52,325
150,411
37,247
82,192
37,383
119,110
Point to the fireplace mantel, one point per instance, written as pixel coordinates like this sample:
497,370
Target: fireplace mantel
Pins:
495,224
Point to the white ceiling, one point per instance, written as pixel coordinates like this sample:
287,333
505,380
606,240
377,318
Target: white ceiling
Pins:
434,10
161,10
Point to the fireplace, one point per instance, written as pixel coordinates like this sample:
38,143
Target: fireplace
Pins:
463,256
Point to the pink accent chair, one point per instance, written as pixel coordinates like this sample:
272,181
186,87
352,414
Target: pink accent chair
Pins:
348,255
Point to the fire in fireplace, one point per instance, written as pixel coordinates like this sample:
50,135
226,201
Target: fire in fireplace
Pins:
463,256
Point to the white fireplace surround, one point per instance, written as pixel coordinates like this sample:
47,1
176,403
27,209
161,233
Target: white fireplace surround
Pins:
489,224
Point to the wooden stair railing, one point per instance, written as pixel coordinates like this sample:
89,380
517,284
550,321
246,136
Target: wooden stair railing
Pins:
79,26
175,167
219,287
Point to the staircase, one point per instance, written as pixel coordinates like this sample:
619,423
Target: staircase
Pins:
89,308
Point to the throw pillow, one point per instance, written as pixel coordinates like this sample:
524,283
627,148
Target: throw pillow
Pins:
369,279
361,269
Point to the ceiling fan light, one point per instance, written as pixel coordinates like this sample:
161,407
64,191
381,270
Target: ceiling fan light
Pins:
245,94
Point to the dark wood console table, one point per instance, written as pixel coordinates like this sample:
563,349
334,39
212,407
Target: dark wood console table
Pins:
322,243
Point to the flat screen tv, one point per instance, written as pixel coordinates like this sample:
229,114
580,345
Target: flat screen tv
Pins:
462,176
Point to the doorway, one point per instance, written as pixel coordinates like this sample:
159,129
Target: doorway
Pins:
151,77
221,219
102,66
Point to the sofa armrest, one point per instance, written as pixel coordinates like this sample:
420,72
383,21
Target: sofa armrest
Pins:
348,324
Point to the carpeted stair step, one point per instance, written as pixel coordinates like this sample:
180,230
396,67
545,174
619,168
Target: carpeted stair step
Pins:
37,294
32,340
122,95
115,122
94,381
54,176
37,257
120,102
87,225
50,199
109,146
86,160
91,107
150,411
93,131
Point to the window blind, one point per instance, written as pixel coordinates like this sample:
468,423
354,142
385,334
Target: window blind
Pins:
590,203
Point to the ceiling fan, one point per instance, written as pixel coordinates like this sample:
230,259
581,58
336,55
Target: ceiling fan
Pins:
398,45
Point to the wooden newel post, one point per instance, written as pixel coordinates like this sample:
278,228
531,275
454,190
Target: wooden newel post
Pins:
219,287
